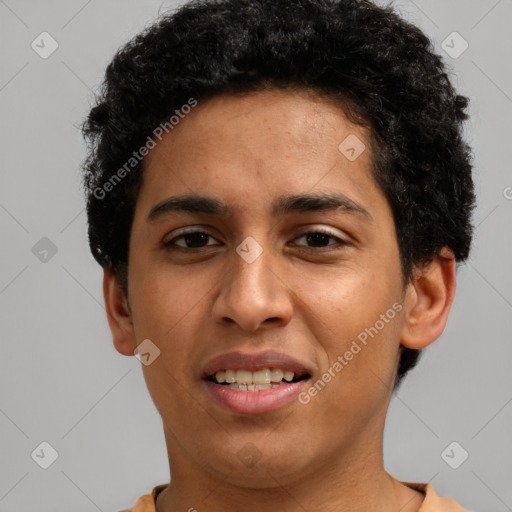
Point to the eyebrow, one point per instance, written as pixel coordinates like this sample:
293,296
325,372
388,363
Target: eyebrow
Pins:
301,203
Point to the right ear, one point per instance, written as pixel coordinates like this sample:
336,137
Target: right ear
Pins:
118,315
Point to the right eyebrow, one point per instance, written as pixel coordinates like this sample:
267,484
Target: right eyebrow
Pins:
298,203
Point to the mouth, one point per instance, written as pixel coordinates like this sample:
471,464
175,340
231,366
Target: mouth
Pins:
255,383
260,380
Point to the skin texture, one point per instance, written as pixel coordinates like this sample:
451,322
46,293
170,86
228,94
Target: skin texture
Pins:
302,298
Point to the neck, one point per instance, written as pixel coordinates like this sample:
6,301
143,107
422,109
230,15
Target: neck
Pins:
354,481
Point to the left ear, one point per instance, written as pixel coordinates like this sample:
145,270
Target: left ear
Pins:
428,301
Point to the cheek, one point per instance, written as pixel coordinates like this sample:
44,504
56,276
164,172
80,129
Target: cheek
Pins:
166,309
162,295
355,316
346,301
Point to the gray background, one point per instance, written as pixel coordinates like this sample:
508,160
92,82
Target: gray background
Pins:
61,380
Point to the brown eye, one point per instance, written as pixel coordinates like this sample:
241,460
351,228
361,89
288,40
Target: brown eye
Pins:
191,240
320,238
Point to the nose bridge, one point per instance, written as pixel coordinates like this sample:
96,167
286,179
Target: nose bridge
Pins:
252,269
252,291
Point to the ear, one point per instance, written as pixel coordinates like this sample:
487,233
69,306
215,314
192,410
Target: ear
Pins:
118,315
428,301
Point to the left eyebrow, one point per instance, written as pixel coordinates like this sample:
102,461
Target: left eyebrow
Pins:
299,203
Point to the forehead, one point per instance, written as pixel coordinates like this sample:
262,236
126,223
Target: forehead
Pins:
251,148
303,113
262,164
275,123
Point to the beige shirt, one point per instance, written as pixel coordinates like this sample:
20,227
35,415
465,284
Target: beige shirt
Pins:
431,503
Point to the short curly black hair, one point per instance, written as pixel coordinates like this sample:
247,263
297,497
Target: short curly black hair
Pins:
380,69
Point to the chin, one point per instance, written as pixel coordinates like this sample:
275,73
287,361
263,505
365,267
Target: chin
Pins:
251,465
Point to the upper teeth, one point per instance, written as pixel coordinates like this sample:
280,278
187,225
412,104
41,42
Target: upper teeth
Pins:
265,376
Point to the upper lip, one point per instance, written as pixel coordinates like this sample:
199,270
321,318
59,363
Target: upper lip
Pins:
254,361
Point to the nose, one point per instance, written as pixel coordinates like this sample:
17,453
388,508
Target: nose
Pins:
254,294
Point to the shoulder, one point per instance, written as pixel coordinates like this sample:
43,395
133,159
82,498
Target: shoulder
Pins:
433,502
146,502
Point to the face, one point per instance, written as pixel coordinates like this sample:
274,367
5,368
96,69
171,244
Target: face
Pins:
315,282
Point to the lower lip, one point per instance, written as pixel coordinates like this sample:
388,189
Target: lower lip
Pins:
254,402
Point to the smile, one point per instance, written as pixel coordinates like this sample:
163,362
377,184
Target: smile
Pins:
254,383
245,380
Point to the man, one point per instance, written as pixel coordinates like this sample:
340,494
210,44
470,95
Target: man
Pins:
278,193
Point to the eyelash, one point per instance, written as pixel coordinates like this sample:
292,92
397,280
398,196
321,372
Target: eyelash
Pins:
170,244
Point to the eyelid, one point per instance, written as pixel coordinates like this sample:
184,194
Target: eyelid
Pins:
186,231
340,240
305,230
189,229
318,229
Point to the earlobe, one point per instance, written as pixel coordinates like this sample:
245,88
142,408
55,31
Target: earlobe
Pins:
428,301
118,315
